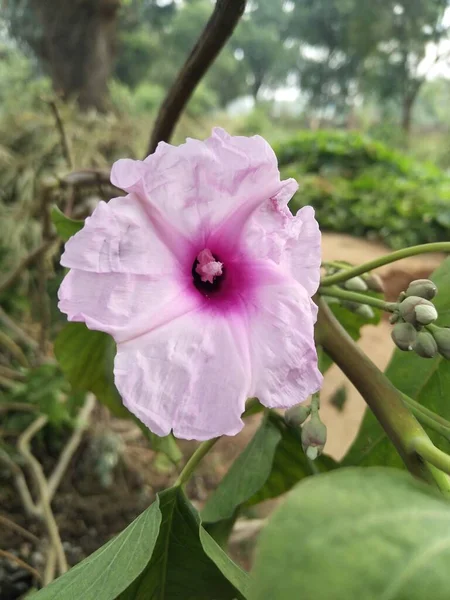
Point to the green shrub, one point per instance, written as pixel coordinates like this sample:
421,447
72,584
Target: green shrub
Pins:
361,187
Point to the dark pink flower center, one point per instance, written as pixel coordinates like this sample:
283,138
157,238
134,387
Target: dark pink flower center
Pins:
208,273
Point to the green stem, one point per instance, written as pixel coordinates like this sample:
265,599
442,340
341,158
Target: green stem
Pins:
428,452
385,401
192,463
385,260
252,407
428,417
336,292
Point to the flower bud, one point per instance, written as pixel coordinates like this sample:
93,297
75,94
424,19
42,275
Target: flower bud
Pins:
404,336
394,318
442,337
425,345
426,314
360,309
424,288
418,311
314,437
297,415
365,311
375,283
356,284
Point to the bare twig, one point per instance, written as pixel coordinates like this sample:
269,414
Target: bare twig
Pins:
81,425
43,299
18,331
37,472
26,262
86,178
21,563
18,406
11,374
50,566
15,350
18,529
21,485
216,32
65,145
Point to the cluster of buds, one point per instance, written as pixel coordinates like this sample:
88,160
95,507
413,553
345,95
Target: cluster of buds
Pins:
313,431
413,320
363,283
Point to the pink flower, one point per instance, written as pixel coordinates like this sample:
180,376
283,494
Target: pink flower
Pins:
204,279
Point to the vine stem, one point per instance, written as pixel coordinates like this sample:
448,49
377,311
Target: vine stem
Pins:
336,292
252,407
385,401
428,417
428,451
385,260
192,463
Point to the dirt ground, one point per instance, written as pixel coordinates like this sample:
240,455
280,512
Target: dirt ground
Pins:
93,505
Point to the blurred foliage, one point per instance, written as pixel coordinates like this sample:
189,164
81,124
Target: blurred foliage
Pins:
361,187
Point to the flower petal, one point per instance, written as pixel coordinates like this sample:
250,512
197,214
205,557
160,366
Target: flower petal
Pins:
188,376
199,184
284,358
124,305
293,242
120,237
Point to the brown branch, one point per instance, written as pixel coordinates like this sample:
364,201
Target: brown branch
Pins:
65,145
26,262
18,529
21,563
86,178
220,26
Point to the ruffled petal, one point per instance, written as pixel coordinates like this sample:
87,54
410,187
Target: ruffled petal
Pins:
124,305
198,185
189,376
293,242
283,354
120,237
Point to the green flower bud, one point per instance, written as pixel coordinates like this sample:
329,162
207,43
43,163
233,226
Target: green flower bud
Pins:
418,311
404,336
424,288
425,345
442,337
314,437
365,311
394,318
356,284
297,415
375,283
426,314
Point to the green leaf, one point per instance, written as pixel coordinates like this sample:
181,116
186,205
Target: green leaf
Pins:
290,465
186,562
376,534
110,570
424,380
246,476
86,358
65,227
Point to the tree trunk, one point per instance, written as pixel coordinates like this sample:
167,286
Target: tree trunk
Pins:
78,47
408,102
406,116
